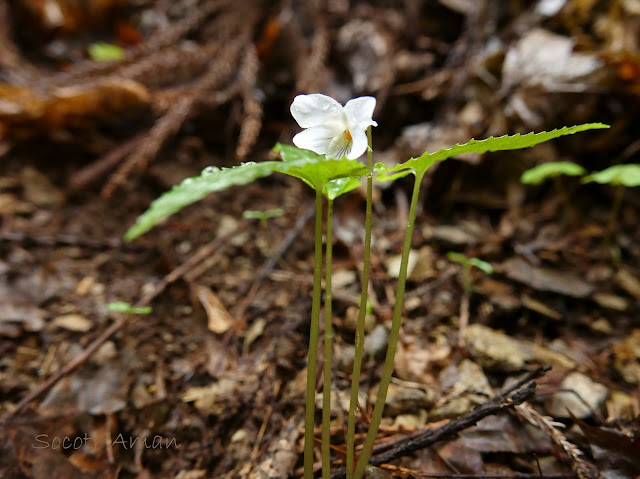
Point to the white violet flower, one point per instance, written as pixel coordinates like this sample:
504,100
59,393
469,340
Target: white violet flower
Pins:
330,128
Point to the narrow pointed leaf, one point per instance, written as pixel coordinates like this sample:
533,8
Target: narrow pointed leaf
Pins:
483,266
314,169
262,214
514,142
196,188
123,307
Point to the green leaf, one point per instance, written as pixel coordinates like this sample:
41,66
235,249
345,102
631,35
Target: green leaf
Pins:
619,175
196,188
316,170
538,174
340,186
483,266
458,258
122,307
423,162
105,52
293,153
469,262
262,215
383,173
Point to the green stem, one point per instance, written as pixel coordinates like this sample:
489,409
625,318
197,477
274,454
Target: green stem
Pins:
313,344
364,295
328,326
613,219
610,237
381,398
467,280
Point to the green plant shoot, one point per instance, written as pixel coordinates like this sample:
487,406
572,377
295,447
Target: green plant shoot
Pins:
555,170
622,177
123,307
618,175
418,167
332,138
540,173
262,215
467,285
467,265
105,52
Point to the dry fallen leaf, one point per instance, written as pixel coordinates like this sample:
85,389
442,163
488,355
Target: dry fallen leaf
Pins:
547,279
219,319
542,58
616,453
24,113
73,322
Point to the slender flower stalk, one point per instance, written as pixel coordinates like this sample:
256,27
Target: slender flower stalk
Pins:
313,344
396,322
335,131
328,327
359,340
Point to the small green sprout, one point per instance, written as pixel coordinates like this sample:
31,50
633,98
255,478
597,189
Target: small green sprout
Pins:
618,175
555,169
467,265
622,177
124,307
262,215
105,52
369,307
540,173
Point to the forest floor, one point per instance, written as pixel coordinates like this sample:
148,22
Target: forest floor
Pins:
211,383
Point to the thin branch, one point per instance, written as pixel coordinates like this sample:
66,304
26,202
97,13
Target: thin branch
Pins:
510,397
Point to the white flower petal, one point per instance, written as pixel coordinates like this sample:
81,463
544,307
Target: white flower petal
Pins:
316,139
359,112
359,144
315,110
339,146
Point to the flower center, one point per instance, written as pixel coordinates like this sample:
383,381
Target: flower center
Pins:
347,136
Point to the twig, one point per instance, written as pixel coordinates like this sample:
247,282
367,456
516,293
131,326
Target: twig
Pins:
464,320
160,40
551,429
80,179
220,70
256,446
166,126
252,121
510,397
310,70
